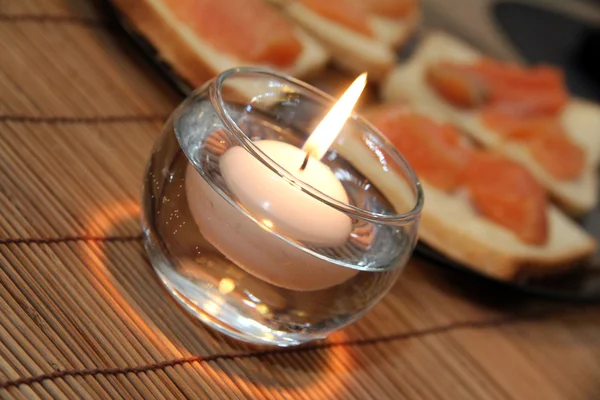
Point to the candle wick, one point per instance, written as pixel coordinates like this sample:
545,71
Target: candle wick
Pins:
305,162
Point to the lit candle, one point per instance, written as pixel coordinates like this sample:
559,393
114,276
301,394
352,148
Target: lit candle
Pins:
279,207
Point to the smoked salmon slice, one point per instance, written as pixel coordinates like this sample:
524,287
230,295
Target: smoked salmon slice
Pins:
558,155
499,189
249,30
352,14
458,86
434,150
518,90
522,104
544,138
506,193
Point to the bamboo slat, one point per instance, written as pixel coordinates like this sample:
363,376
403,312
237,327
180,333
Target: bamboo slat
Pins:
82,315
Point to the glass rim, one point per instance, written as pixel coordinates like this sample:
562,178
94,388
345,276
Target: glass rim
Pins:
219,104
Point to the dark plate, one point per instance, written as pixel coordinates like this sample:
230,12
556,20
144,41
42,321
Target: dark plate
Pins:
541,35
581,285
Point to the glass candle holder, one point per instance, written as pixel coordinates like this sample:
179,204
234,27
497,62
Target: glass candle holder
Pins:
239,234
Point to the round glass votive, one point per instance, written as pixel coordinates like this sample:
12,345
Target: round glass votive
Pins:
254,243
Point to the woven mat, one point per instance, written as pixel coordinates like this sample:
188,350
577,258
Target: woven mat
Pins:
82,314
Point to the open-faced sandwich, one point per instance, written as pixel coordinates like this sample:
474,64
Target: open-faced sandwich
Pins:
201,38
481,209
524,113
361,35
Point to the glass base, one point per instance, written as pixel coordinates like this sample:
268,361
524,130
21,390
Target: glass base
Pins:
266,338
220,311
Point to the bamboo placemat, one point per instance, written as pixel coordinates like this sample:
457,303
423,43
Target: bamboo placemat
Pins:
82,315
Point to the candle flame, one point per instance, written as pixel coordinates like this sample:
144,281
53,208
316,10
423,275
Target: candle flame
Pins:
329,128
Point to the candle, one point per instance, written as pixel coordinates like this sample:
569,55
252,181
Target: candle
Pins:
279,207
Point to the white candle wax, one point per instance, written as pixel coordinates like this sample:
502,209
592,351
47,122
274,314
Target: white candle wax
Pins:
277,206
282,207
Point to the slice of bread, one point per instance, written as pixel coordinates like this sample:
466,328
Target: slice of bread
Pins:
394,31
581,120
453,227
351,50
194,58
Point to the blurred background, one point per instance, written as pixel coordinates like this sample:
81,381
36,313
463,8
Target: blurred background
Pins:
561,32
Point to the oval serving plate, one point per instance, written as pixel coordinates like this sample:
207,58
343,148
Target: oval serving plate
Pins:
582,285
